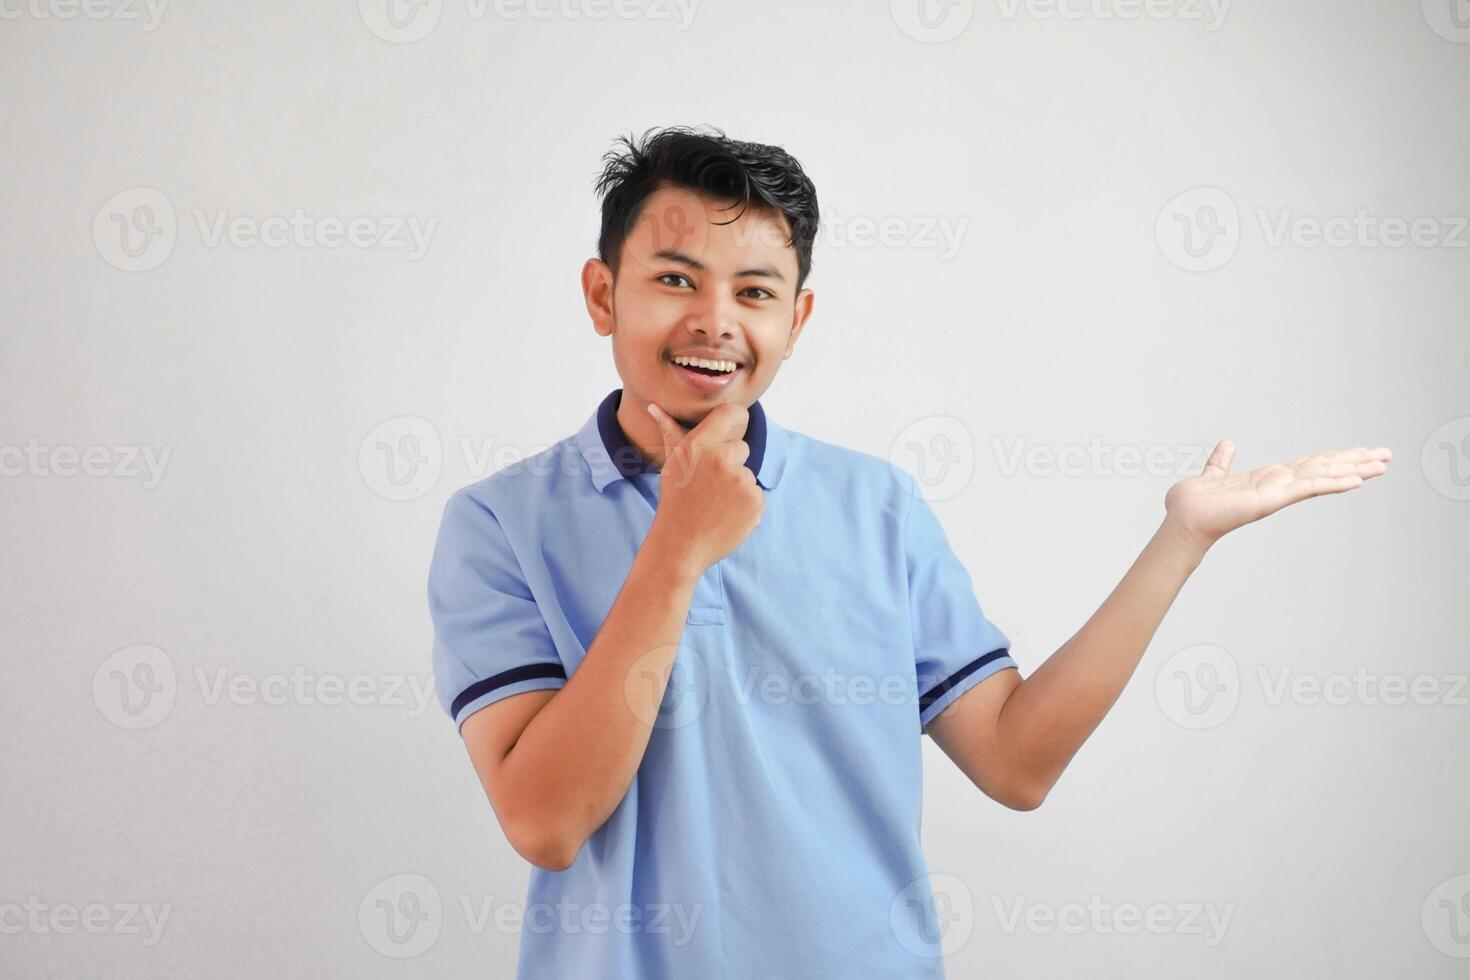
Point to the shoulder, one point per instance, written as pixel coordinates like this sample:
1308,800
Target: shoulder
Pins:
524,483
865,481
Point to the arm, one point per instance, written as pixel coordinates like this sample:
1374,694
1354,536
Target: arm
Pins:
1013,738
555,764
1034,727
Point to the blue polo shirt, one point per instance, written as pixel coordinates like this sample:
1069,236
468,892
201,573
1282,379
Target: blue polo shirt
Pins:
772,828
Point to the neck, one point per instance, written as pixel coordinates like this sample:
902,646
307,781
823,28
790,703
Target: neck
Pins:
641,429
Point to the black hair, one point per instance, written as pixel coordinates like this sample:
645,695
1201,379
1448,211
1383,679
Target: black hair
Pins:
712,164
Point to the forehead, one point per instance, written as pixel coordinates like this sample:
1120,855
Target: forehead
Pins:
701,227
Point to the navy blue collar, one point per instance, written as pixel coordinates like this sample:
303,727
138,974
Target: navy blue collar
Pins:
628,460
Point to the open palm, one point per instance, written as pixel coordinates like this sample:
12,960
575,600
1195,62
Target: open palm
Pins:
1217,502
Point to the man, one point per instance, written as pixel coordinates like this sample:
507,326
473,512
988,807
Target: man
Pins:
692,652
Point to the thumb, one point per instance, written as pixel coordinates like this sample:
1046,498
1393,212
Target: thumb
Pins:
1221,458
672,431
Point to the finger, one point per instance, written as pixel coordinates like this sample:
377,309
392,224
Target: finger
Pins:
1366,470
1220,459
737,452
1314,486
670,430
1363,455
724,423
1359,455
1328,467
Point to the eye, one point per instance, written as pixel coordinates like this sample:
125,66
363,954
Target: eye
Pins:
672,275
757,289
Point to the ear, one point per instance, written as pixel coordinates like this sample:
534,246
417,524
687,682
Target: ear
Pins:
799,315
597,290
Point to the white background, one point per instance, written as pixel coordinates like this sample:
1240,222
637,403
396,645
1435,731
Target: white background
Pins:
1067,315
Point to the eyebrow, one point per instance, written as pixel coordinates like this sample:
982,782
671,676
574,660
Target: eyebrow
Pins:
768,272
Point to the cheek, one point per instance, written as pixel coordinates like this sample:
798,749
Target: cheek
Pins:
769,336
638,337
649,308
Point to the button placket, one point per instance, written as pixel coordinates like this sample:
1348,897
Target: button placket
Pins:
707,608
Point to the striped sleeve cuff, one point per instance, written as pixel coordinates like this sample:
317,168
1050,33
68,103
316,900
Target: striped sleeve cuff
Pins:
517,680
946,692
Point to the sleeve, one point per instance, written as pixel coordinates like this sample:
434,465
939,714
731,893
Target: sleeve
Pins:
490,639
955,645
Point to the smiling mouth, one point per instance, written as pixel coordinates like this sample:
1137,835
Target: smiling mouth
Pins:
708,372
703,379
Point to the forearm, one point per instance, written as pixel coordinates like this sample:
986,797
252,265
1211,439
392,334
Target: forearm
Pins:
1051,713
574,762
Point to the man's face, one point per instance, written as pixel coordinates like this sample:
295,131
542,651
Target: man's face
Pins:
691,282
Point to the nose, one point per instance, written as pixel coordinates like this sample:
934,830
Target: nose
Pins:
714,315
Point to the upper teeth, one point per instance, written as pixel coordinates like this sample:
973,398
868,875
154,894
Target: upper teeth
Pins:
706,363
